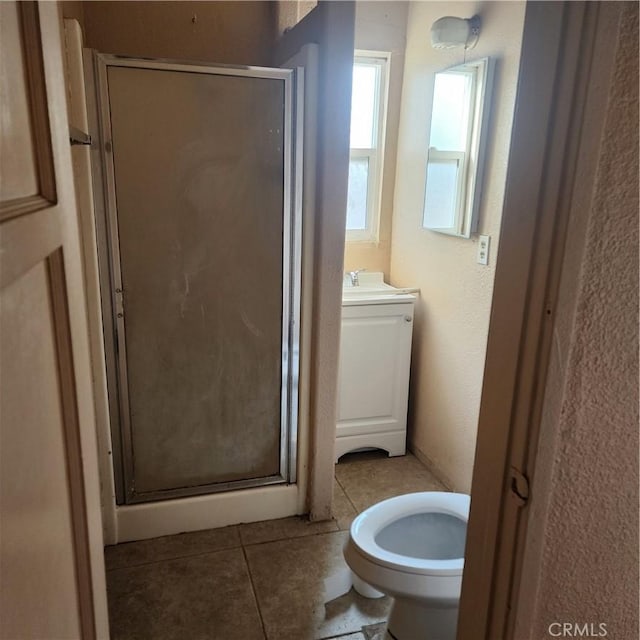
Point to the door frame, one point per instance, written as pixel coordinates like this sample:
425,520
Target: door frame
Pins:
560,60
112,286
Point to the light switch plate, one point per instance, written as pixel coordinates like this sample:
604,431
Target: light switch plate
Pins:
483,249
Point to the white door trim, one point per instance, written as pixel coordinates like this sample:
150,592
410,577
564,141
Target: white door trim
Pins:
559,62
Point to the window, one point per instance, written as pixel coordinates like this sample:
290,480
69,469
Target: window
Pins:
368,117
456,146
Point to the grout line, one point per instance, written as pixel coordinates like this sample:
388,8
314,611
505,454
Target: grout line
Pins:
344,635
253,591
240,545
358,631
172,558
289,539
339,483
347,496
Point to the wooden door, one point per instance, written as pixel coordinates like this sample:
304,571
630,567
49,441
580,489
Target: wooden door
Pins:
51,567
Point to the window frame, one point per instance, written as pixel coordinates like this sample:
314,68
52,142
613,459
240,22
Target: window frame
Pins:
437,156
375,154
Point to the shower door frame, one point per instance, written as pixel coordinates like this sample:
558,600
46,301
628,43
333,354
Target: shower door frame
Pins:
112,290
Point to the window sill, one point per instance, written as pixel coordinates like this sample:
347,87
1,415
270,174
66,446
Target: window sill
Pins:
361,241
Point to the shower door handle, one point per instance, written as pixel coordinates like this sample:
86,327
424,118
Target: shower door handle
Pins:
119,303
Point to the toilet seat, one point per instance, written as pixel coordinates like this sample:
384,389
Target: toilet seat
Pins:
370,522
425,591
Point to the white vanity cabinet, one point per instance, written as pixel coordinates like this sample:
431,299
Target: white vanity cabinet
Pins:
373,386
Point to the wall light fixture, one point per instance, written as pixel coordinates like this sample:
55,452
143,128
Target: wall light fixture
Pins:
450,32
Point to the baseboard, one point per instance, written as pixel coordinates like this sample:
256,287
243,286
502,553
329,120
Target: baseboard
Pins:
168,517
431,466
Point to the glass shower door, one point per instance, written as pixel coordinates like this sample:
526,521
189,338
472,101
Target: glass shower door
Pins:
202,250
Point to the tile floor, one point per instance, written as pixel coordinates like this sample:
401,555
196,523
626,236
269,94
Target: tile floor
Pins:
259,581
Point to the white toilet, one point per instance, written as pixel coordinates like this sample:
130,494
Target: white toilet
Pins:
412,548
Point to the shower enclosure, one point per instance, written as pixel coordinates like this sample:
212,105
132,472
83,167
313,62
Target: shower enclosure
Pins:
199,252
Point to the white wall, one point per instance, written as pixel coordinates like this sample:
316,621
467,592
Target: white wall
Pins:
331,26
452,315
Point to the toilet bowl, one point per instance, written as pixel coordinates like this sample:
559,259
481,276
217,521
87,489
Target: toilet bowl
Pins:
412,548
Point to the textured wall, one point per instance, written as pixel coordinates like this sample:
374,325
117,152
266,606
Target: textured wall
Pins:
382,26
331,25
582,547
290,12
452,314
223,32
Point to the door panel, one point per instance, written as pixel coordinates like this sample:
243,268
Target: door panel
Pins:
370,345
26,161
375,350
203,292
51,565
35,476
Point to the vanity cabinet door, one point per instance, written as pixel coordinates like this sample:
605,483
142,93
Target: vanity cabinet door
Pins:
375,354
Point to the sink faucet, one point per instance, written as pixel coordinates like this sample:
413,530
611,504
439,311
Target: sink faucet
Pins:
355,282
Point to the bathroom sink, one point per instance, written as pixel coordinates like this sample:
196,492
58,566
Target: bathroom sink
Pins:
367,280
372,289
364,291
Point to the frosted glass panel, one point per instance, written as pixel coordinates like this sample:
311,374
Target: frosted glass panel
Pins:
363,105
199,171
440,194
450,117
357,193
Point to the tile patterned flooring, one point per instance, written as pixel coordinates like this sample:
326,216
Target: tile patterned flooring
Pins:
258,581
